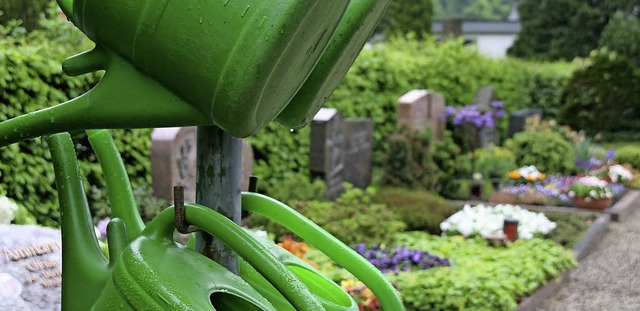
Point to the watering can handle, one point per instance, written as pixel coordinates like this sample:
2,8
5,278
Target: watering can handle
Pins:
252,251
327,243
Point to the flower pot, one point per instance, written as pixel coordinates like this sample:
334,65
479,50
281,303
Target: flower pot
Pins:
597,204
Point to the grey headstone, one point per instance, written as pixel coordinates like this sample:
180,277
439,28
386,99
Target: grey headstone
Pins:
484,97
20,288
518,119
484,101
326,159
419,109
173,162
358,135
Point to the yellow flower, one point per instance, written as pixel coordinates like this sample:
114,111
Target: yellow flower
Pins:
514,175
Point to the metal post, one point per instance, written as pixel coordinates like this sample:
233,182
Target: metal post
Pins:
218,182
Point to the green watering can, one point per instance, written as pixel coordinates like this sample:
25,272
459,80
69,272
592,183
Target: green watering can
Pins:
153,272
236,64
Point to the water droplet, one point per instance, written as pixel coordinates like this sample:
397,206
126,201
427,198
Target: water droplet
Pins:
226,2
200,20
246,10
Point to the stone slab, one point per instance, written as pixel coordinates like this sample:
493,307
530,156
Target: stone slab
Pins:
31,263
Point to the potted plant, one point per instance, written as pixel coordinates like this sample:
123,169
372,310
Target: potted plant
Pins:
591,192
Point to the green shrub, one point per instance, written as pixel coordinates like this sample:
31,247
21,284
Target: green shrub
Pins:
547,150
570,227
603,95
494,162
451,165
31,78
622,34
629,155
480,277
419,210
353,218
409,162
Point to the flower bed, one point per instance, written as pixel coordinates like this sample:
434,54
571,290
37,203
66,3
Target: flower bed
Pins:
480,277
538,188
487,221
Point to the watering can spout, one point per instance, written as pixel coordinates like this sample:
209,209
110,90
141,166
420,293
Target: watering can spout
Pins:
115,102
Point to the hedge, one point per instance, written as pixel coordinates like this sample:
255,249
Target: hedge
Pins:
31,78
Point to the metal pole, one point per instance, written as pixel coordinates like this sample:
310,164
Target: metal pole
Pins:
218,182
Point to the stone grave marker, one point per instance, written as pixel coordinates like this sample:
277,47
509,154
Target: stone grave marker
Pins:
326,159
518,119
173,162
485,96
358,136
30,269
419,109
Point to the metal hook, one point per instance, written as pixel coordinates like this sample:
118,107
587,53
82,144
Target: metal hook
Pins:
180,218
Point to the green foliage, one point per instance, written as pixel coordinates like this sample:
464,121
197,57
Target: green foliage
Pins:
31,78
451,165
419,210
27,11
563,29
23,217
495,162
603,95
629,155
490,10
408,162
297,187
353,218
547,150
570,227
481,277
622,35
405,16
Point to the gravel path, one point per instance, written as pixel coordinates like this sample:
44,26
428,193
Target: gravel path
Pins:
609,277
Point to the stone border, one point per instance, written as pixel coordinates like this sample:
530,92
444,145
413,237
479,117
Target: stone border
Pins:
624,206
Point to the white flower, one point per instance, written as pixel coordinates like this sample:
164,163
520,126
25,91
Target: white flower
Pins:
619,172
488,221
7,210
572,194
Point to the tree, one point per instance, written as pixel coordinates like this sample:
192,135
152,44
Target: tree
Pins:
622,35
404,16
564,29
28,11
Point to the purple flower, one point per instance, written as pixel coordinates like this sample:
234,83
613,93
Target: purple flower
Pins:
102,228
611,154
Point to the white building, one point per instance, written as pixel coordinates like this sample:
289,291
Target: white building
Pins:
491,38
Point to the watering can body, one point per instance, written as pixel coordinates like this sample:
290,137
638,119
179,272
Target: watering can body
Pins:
239,62
154,274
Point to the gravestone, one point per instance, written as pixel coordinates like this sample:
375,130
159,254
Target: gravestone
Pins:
519,119
30,269
326,159
419,109
173,162
358,135
484,99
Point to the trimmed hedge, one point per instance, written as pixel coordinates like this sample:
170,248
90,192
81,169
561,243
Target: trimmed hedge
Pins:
31,78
